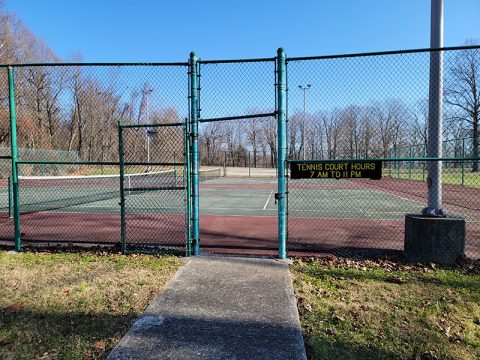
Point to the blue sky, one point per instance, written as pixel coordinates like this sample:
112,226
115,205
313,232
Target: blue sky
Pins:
149,30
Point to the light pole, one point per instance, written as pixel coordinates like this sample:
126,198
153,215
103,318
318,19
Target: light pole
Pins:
145,92
304,88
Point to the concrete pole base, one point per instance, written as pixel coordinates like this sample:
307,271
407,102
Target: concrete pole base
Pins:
434,239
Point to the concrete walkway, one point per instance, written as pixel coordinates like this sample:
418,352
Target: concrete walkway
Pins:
220,308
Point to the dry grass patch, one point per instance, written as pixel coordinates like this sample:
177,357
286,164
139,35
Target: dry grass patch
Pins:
385,310
74,306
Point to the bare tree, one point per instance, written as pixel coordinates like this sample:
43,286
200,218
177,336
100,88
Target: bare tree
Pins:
462,92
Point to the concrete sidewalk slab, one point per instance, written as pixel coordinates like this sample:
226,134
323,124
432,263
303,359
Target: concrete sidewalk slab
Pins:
220,308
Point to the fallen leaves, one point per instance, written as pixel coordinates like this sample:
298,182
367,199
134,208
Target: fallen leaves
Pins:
427,355
100,345
396,280
13,309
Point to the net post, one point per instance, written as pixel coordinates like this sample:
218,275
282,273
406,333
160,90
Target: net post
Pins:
14,150
121,157
225,165
193,64
281,151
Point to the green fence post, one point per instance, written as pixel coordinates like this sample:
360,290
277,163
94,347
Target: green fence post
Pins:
463,162
195,158
121,155
10,197
398,163
282,151
410,164
42,157
424,163
189,192
14,150
225,165
390,164
175,167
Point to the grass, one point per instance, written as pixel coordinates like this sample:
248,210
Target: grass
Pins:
384,310
450,176
74,305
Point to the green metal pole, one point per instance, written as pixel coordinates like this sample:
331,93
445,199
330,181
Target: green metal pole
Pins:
410,164
195,159
14,150
463,162
175,168
390,164
62,158
282,151
42,156
10,197
121,155
398,163
225,165
424,163
189,191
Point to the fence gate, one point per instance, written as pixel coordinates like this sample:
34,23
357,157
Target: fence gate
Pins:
154,184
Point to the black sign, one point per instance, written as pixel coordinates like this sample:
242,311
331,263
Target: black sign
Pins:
348,169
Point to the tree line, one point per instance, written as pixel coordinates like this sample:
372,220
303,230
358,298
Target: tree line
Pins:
72,108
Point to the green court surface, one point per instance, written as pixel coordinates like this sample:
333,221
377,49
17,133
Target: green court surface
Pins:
229,197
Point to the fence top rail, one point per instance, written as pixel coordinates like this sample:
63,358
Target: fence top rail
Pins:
226,61
237,61
387,159
59,64
378,53
239,117
136,126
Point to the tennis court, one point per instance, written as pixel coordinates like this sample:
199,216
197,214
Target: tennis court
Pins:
237,214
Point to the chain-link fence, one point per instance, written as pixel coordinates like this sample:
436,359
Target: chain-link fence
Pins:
368,106
154,187
72,196
375,106
238,89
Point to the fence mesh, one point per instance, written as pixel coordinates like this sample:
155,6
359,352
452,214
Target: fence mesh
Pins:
339,107
77,208
364,214
155,205
238,89
72,195
361,107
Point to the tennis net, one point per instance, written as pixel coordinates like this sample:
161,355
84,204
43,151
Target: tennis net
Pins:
47,193
209,174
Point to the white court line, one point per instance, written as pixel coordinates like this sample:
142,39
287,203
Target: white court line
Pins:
266,203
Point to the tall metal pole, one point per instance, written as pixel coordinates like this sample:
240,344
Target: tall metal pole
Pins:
304,88
146,91
195,159
14,150
282,152
434,180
